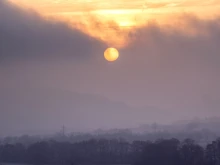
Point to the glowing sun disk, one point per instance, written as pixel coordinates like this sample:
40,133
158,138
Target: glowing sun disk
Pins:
111,54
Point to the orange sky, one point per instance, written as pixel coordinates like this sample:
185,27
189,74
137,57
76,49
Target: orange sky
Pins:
111,21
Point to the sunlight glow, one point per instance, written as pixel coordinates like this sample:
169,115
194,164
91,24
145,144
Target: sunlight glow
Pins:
112,21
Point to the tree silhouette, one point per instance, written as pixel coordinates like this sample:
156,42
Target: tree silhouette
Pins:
113,151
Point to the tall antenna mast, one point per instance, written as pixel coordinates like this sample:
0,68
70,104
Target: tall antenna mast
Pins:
63,130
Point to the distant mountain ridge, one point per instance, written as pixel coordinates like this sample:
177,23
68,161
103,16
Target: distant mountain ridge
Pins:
49,109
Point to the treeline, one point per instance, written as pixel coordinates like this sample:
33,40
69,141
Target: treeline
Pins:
202,137
103,151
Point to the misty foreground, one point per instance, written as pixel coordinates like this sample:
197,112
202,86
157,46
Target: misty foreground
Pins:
115,151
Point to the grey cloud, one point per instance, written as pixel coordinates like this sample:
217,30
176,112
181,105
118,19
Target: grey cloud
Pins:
23,33
196,46
177,68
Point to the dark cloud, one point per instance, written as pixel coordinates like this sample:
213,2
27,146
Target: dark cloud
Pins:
177,64
188,42
26,34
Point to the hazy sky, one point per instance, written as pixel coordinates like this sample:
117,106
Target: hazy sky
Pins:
53,73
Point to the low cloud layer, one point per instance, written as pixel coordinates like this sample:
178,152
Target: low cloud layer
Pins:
26,34
178,62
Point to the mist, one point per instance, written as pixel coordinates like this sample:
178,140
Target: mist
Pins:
53,75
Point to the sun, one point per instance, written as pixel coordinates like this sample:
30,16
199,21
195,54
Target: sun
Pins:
111,54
